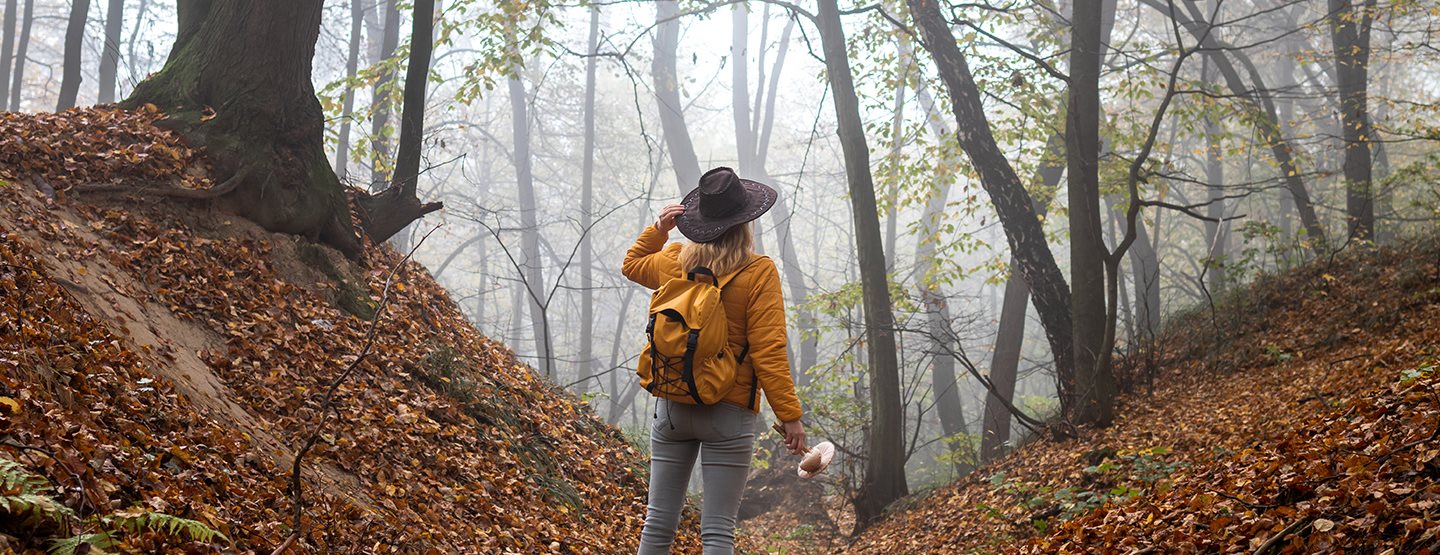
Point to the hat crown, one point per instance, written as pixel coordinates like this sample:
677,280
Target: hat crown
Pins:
721,193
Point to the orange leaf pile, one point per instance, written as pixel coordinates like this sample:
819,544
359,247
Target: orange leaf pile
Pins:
174,360
96,146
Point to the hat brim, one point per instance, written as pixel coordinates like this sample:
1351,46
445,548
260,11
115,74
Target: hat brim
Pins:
759,197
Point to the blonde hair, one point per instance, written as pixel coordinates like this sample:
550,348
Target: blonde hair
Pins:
725,254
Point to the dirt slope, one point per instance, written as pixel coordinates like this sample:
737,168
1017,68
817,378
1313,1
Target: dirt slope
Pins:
159,354
1303,408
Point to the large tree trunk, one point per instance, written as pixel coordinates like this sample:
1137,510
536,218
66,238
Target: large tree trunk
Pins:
21,50
531,264
1350,33
586,365
386,213
1013,205
250,62
380,121
7,51
74,44
352,65
884,479
667,93
110,56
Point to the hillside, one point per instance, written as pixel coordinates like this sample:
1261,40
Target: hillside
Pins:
1301,416
157,354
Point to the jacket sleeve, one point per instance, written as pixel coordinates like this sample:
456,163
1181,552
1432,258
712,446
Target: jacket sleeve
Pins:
766,336
646,263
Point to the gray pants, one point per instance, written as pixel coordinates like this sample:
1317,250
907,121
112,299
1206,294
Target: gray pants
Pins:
723,435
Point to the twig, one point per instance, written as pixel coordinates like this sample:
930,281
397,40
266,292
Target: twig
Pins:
296,487
1274,541
1410,445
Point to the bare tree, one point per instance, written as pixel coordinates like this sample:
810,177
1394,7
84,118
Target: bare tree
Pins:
352,65
74,44
7,35
380,121
110,53
21,51
534,272
667,93
1350,33
585,366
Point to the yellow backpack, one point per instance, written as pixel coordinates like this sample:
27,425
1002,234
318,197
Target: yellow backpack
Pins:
688,358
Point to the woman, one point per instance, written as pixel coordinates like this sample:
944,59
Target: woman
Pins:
716,218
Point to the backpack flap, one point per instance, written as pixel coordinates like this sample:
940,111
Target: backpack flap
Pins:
687,357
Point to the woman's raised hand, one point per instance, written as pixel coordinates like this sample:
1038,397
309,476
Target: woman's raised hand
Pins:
666,221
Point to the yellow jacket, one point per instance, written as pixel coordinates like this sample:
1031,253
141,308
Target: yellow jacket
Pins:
755,307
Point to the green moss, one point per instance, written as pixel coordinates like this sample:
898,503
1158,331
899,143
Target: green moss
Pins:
349,297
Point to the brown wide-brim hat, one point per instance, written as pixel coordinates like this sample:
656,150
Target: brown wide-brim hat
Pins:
720,202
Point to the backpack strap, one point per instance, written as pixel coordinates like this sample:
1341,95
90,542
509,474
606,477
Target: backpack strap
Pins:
724,280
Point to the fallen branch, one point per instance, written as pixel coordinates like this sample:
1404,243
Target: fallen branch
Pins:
297,496
1275,540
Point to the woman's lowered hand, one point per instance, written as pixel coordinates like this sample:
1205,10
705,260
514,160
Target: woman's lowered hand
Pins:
795,437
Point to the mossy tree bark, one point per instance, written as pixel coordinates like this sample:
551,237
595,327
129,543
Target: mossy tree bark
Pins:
237,83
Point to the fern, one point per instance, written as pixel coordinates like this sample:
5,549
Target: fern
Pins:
16,479
135,521
25,497
97,544
30,509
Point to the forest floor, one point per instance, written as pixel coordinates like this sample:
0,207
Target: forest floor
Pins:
157,355
1299,416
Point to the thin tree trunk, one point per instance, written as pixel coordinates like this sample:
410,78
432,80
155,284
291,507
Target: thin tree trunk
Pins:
386,213
532,263
1095,388
884,478
21,50
1004,366
352,65
892,189
110,56
667,93
7,51
74,44
380,121
133,42
619,403
1012,203
1215,240
740,88
586,365
1350,33
943,378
